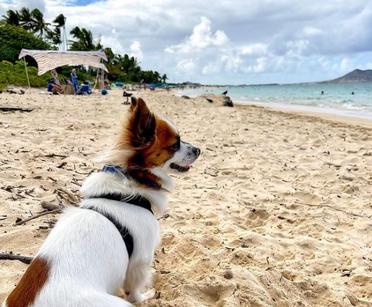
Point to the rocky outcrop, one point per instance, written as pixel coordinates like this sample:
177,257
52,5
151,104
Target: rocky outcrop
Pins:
355,76
227,102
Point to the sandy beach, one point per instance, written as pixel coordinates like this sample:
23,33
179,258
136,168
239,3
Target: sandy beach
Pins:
277,211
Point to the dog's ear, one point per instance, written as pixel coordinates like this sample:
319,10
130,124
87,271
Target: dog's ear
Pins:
142,124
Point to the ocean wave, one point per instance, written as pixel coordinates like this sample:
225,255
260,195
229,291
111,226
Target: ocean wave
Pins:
351,106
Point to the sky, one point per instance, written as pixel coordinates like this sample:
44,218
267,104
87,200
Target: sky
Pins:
227,41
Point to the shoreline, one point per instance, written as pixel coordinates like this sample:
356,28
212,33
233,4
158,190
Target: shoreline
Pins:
347,109
310,111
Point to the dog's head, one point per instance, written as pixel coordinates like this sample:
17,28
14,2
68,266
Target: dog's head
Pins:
153,143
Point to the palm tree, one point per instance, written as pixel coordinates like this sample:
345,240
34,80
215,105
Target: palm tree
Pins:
11,17
164,78
60,21
25,18
83,40
156,77
110,55
38,23
55,35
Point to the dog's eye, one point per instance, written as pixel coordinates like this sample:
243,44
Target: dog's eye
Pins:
175,146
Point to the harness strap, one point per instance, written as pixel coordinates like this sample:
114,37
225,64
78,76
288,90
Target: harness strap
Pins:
124,232
136,200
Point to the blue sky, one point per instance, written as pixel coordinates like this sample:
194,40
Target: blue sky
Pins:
231,41
82,2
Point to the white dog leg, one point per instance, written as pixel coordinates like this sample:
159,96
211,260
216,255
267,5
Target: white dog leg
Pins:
137,278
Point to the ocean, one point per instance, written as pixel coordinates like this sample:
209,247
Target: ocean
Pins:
354,99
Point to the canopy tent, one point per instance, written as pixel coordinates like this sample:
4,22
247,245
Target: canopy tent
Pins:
48,60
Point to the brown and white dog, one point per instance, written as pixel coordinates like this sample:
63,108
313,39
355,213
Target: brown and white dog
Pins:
108,242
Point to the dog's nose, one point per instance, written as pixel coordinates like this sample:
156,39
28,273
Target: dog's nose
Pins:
196,151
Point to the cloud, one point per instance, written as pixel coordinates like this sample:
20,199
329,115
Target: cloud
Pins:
235,41
214,53
254,49
201,37
186,66
346,65
12,5
135,50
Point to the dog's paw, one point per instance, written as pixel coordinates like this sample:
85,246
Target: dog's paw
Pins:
148,295
140,297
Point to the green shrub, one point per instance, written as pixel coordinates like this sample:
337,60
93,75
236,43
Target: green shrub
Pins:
13,39
15,74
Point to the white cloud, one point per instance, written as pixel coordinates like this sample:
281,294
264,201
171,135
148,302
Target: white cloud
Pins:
231,62
297,47
346,65
113,42
260,65
210,68
201,37
135,50
186,66
254,49
236,41
311,31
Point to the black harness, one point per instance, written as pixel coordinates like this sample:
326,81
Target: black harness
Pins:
136,200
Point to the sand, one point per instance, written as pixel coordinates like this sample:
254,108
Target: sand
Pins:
277,211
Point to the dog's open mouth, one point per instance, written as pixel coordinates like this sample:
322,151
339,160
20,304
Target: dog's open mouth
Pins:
179,167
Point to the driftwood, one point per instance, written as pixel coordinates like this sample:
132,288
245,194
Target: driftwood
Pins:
37,215
10,256
15,91
67,196
14,109
51,155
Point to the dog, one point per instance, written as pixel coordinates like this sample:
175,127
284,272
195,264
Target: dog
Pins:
108,242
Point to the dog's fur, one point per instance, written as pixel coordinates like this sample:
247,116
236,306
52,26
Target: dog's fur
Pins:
84,261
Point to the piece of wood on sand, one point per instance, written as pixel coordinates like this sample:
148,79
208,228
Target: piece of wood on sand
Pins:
11,256
20,222
15,109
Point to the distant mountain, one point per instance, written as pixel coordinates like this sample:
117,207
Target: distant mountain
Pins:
356,76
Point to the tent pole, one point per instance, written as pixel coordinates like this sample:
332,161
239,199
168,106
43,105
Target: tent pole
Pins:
28,80
95,81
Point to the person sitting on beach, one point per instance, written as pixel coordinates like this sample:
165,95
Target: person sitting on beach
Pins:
54,84
106,85
84,89
54,87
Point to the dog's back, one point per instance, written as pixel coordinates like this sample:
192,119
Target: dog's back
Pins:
82,258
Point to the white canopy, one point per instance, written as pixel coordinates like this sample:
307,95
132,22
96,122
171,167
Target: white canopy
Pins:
50,59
